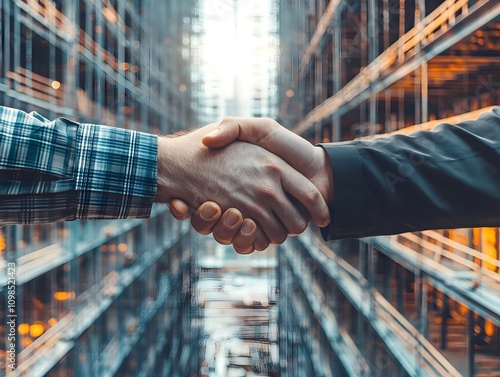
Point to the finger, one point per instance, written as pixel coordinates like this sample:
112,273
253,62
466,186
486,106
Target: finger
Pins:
179,209
272,227
205,217
228,225
261,242
246,251
266,133
296,185
243,239
226,133
290,216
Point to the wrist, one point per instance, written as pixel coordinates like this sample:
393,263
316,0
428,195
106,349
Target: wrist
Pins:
324,179
166,167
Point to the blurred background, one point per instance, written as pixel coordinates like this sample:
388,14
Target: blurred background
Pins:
152,298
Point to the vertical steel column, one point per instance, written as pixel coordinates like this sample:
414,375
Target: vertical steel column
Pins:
401,285
387,92
421,80
17,47
29,58
373,53
7,47
164,116
470,344
372,266
90,70
134,63
387,279
337,64
100,76
363,61
71,55
52,64
424,75
145,68
401,94
445,311
424,308
70,246
362,267
121,82
2,22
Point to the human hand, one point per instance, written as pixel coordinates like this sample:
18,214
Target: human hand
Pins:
240,176
306,158
208,218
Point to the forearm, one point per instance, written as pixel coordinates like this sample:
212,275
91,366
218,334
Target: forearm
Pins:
63,170
447,178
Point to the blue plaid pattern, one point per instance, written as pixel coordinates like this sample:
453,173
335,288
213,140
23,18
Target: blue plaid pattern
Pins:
62,170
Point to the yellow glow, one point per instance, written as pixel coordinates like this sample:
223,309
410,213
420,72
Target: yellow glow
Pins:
489,328
52,321
463,309
55,84
24,329
122,247
36,330
63,296
489,238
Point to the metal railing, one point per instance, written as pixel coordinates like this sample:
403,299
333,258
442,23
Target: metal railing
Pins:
438,247
430,29
415,353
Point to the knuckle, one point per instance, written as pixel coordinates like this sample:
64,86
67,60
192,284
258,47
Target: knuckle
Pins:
266,192
272,168
226,119
300,227
270,122
312,197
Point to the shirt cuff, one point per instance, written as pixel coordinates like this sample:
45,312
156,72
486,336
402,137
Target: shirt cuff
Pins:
115,172
348,185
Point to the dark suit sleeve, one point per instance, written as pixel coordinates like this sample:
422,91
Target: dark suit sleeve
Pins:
441,179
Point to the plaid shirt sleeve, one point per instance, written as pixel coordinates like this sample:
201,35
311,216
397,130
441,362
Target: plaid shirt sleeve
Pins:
62,170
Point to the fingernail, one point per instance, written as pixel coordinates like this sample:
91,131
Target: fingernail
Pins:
247,228
231,219
208,212
174,210
213,133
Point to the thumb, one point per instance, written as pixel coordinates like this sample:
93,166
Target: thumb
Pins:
226,133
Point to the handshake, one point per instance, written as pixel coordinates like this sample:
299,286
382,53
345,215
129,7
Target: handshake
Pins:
252,181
